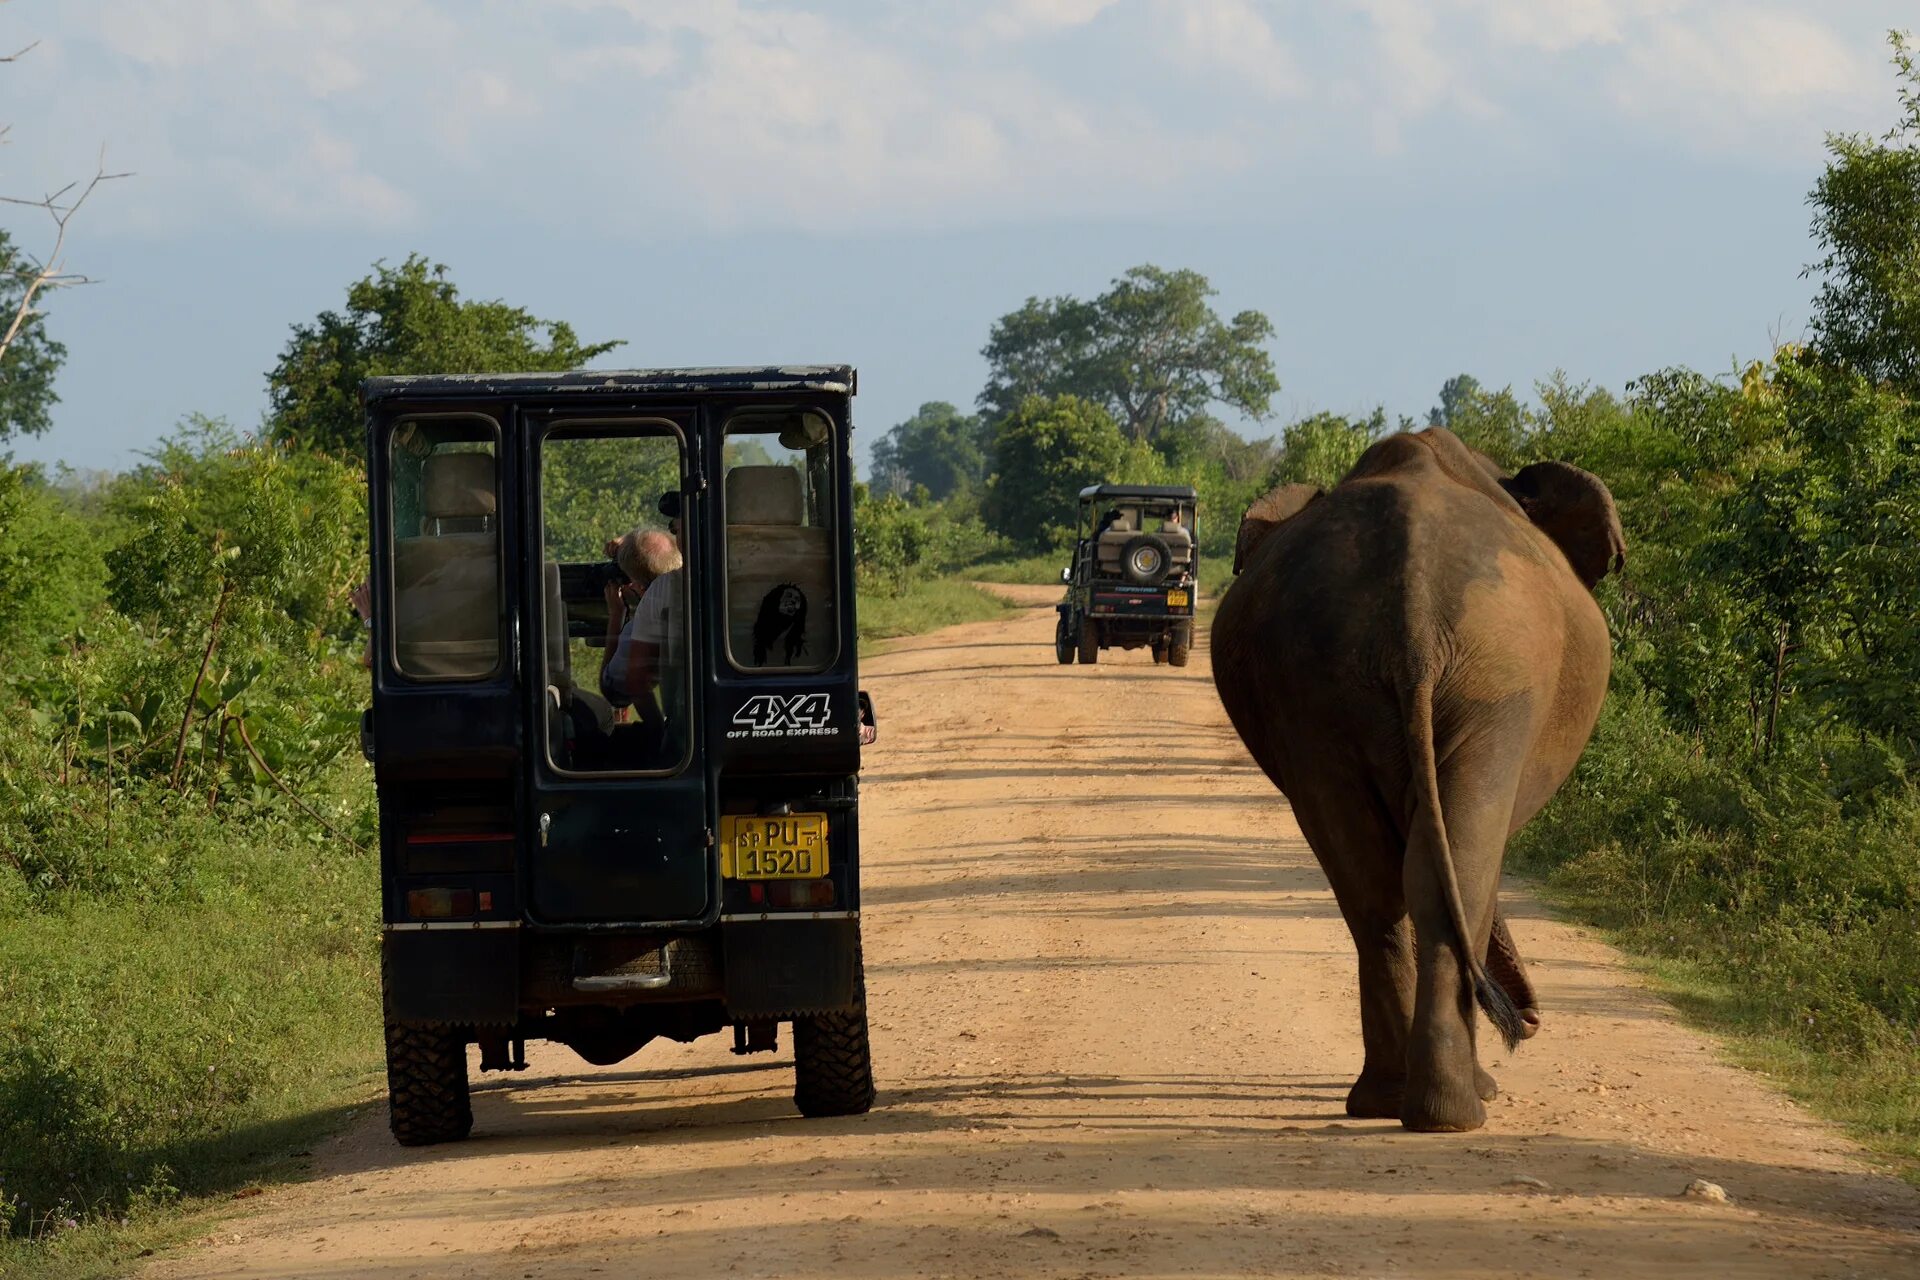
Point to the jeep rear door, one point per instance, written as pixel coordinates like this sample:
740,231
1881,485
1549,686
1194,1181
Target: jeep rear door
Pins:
618,798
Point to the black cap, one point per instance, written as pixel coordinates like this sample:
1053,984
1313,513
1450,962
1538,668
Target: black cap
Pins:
670,504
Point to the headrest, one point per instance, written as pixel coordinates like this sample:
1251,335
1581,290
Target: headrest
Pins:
457,485
764,495
1122,524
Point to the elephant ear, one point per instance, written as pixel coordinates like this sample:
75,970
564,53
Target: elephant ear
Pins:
1573,508
1267,514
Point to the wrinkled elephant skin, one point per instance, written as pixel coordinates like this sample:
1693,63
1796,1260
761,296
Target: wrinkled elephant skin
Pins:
1416,659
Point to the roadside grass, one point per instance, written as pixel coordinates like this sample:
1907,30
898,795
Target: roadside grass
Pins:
1040,570
923,606
179,1039
1779,909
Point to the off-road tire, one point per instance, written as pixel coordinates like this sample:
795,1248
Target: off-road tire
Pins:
1063,644
832,1063
1141,570
1159,654
427,1098
1180,648
1089,642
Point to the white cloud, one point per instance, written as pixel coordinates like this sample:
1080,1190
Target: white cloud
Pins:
820,114
1720,72
1019,19
1231,37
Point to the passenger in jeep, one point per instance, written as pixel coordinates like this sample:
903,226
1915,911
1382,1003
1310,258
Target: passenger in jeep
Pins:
631,670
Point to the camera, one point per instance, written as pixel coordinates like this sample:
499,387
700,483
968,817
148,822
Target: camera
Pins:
597,576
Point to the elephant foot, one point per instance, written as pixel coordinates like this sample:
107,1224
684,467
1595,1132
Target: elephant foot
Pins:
1485,1085
1437,1109
1375,1098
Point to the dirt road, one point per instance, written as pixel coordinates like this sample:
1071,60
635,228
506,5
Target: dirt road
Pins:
1114,1022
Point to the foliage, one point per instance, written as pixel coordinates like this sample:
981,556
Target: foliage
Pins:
1867,217
594,490
29,363
1150,351
1044,453
51,566
186,960
405,319
1321,449
939,449
897,543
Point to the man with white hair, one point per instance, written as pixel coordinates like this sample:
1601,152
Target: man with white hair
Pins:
631,666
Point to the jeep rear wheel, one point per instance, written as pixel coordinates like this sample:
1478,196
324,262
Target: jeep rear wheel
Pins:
1180,648
1089,642
427,1098
832,1064
1063,642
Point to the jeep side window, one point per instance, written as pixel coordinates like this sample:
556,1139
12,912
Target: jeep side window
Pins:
614,616
444,495
777,500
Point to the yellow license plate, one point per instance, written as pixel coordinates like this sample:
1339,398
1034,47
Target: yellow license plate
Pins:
1176,599
793,847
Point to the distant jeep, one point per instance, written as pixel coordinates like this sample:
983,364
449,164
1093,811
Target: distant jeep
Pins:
1134,576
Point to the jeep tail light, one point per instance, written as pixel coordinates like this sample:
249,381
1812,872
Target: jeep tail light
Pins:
793,894
439,904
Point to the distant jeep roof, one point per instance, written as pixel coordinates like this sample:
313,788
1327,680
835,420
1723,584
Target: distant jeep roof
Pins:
758,378
1177,491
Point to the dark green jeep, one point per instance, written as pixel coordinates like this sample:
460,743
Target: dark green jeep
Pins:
1134,576
618,797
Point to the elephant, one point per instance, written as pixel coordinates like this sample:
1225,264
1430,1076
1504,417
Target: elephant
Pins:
1416,659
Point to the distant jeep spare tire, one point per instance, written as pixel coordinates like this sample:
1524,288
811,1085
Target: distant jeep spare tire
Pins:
1145,559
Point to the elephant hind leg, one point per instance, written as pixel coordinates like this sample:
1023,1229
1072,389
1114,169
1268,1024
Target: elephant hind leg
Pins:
1504,967
1359,848
1456,850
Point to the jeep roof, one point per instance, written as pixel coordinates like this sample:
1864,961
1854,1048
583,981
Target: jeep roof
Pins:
1178,492
838,378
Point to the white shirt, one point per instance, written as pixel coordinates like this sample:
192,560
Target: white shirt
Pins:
648,625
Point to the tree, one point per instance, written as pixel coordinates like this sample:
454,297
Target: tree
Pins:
1455,394
1320,450
1150,351
1044,453
1867,217
1494,422
938,447
405,319
29,361
25,382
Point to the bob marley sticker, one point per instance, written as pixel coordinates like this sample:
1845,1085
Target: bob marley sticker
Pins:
782,618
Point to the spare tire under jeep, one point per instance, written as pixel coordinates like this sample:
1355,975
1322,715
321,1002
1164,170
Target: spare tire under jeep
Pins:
1145,559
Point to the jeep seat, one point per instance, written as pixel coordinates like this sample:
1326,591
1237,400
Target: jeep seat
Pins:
769,545
446,579
1117,536
1179,540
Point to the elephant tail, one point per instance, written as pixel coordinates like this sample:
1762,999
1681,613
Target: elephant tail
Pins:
1490,995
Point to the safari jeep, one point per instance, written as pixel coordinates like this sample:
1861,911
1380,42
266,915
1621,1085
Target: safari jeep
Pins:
599,860
1134,575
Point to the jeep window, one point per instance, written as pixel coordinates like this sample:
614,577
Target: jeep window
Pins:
444,495
782,614
614,617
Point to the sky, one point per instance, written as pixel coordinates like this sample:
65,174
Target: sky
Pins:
1409,189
